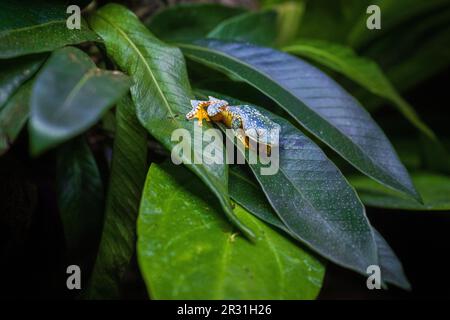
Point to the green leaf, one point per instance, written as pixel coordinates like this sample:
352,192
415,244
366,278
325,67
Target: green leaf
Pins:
254,27
248,193
189,21
30,26
250,196
128,170
289,16
80,202
69,96
314,201
363,71
161,92
15,72
313,99
186,250
14,115
434,189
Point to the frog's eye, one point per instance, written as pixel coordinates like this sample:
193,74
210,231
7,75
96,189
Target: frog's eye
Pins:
218,102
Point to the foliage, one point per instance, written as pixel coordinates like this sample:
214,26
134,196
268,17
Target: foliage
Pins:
216,231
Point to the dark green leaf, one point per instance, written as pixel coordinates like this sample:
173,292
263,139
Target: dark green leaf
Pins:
189,21
69,96
247,192
161,91
363,71
80,202
186,250
434,189
249,195
30,26
315,101
314,201
129,166
14,72
14,115
254,27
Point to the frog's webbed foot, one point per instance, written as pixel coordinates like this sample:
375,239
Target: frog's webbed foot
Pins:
198,111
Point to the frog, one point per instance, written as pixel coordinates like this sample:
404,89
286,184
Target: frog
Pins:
247,122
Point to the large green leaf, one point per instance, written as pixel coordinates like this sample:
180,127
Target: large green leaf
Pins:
186,250
434,189
315,101
248,194
30,26
70,94
189,21
254,27
14,115
314,201
161,91
361,70
128,170
14,72
80,202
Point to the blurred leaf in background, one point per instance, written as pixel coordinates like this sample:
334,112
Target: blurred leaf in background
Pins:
30,26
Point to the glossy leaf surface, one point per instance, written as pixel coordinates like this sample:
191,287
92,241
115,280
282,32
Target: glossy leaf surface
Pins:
248,194
313,199
361,70
186,250
314,100
70,95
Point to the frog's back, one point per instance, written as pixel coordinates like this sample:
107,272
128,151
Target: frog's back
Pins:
256,125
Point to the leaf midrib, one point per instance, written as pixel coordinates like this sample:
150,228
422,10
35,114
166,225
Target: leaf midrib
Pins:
149,70
73,92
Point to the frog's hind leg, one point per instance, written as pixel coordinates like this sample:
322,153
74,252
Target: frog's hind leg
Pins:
239,133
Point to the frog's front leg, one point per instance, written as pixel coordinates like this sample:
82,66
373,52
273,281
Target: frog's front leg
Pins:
199,111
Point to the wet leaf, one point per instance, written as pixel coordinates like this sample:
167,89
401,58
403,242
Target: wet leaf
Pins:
186,250
70,95
314,100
